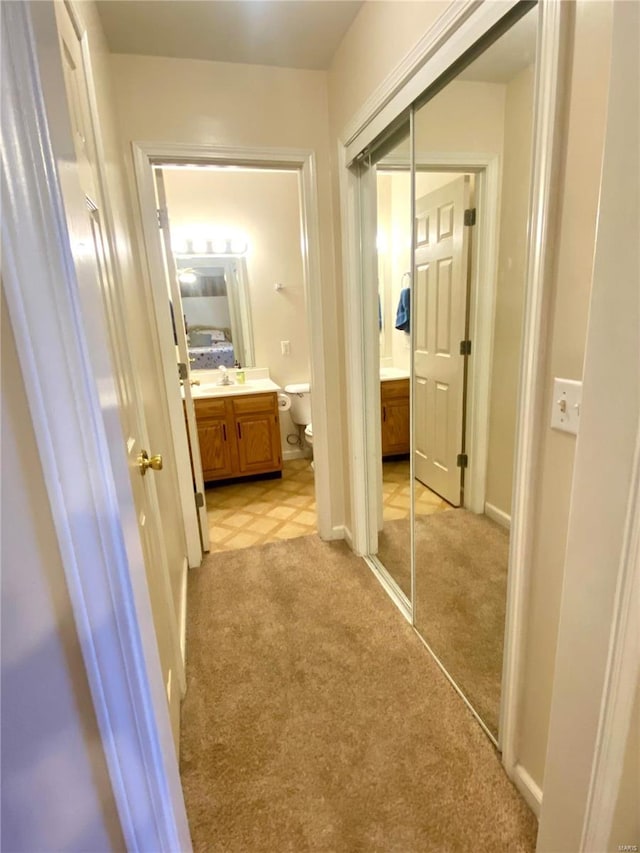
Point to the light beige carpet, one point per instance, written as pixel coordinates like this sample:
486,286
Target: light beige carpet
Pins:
315,720
461,593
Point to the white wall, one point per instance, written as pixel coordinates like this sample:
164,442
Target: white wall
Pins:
265,206
207,311
227,104
626,817
466,116
603,495
56,792
380,36
574,241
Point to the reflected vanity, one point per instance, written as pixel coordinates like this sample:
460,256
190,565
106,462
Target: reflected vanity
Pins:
451,204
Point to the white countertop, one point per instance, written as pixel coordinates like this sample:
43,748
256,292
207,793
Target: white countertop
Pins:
251,386
387,373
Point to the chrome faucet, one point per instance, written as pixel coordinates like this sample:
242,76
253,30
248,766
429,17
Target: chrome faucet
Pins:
225,380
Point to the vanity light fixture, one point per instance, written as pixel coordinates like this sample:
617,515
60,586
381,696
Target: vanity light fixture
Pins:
187,277
214,242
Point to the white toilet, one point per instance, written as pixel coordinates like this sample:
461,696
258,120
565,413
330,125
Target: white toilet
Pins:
300,395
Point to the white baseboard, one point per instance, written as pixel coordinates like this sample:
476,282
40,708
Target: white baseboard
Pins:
529,789
348,537
183,611
293,453
337,532
497,515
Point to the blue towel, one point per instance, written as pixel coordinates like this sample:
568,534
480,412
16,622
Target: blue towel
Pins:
403,315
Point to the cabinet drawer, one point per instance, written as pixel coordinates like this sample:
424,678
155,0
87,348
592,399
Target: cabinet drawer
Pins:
394,388
251,403
210,408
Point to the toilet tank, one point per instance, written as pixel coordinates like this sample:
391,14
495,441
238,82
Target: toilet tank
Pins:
300,402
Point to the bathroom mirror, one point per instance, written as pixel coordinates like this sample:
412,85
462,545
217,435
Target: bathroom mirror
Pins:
452,213
216,309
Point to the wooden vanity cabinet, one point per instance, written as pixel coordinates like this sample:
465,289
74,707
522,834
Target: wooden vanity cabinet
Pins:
239,436
257,433
395,418
215,442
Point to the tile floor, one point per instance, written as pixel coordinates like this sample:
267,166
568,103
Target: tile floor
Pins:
251,513
396,488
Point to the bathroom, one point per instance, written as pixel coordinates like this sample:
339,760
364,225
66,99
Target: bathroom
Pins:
235,235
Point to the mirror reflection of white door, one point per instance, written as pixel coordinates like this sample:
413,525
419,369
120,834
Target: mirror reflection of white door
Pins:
183,355
439,314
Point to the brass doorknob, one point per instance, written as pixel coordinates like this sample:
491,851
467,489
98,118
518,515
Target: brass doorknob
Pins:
145,462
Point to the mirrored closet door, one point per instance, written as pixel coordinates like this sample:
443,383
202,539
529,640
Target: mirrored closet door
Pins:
452,204
390,191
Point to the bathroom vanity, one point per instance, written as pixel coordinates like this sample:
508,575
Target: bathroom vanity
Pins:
394,416
239,433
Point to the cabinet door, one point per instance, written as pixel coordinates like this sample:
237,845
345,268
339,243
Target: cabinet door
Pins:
215,449
395,417
258,439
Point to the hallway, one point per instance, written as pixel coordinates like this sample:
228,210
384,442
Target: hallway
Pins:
315,720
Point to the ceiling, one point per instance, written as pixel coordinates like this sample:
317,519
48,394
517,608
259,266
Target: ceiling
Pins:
284,33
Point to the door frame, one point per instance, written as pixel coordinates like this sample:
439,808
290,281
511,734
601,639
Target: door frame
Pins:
454,33
80,441
148,154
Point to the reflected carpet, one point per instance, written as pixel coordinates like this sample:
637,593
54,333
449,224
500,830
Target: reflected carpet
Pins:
461,594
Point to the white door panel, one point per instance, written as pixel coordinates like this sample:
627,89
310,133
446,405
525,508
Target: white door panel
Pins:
183,354
439,316
87,214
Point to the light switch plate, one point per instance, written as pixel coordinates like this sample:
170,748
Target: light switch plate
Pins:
565,408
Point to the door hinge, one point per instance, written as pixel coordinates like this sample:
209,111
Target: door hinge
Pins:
163,217
470,216
199,499
182,370
465,347
463,460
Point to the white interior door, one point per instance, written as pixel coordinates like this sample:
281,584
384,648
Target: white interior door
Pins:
183,355
85,209
439,313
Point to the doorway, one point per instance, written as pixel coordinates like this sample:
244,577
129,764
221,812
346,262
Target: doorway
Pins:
238,303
